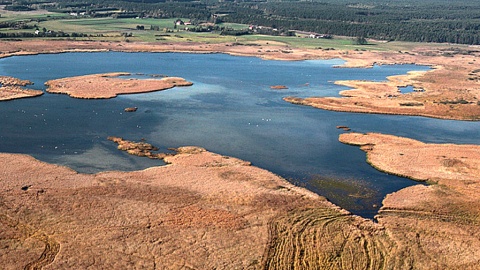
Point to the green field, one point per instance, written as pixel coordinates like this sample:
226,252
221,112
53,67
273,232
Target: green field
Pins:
12,17
126,28
106,25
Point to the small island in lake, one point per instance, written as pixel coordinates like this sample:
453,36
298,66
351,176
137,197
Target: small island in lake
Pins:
109,85
278,87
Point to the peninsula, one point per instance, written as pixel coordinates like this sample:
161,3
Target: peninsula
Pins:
13,88
448,91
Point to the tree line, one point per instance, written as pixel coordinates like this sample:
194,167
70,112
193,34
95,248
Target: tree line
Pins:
403,20
441,21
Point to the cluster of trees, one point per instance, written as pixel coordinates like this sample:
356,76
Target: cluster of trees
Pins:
422,21
41,34
406,20
16,25
18,8
132,8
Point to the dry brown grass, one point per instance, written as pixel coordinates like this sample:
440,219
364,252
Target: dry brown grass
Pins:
110,85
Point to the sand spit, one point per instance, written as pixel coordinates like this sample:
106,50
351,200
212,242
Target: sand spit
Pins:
12,88
452,163
205,211
109,85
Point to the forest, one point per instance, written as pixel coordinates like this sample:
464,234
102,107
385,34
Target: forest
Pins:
452,21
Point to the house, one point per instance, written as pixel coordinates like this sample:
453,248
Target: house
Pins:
314,35
179,22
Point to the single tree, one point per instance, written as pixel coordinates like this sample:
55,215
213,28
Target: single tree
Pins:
361,41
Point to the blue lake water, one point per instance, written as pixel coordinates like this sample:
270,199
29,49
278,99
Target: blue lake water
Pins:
230,110
406,89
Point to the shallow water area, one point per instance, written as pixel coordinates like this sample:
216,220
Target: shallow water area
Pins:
230,110
406,90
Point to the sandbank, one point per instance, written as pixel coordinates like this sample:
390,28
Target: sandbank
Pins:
109,85
12,88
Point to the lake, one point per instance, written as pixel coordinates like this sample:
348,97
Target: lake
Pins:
230,110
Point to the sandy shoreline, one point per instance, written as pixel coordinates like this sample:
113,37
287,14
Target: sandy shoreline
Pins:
204,210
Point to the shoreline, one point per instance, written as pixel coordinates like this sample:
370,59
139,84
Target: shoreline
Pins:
267,52
202,199
448,90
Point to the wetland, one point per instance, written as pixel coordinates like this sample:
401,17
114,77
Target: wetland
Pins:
230,109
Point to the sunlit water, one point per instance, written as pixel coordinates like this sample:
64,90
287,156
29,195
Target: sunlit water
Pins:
230,110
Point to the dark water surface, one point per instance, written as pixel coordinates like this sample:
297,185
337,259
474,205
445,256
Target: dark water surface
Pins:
230,110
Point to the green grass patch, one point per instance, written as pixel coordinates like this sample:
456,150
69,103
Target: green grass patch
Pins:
234,26
302,42
102,24
112,28
10,17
